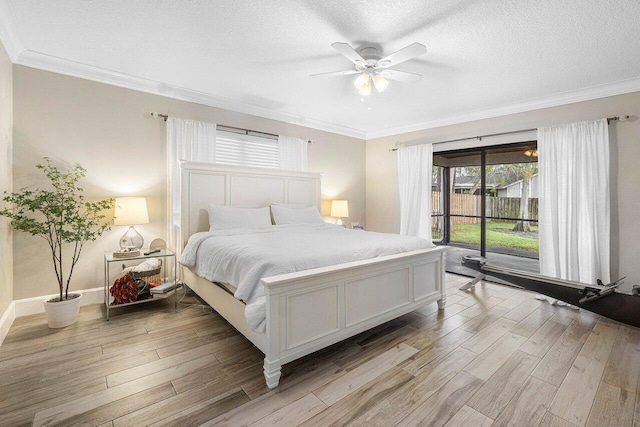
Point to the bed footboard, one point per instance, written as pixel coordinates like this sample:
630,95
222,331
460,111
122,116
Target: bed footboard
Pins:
313,309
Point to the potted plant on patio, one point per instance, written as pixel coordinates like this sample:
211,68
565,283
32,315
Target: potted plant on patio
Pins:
61,216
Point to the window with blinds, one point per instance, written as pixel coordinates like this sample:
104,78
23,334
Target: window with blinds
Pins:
246,150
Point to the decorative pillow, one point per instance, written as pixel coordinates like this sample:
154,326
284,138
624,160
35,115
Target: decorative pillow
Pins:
225,217
287,215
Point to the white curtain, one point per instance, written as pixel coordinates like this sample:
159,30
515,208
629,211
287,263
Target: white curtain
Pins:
415,164
292,153
186,140
574,201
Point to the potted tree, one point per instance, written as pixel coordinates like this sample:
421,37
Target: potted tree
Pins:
60,216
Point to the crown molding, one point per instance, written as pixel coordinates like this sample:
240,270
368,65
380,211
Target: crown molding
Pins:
46,62
595,92
9,33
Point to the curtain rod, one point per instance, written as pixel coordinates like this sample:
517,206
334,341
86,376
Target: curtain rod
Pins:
609,120
232,128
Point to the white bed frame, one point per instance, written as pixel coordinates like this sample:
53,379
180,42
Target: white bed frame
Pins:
312,309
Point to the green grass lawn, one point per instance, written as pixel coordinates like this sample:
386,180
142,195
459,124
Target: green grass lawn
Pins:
470,233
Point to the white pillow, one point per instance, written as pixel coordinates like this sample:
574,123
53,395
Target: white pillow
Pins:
286,205
225,217
290,205
287,215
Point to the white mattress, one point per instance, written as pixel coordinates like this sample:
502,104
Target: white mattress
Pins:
241,257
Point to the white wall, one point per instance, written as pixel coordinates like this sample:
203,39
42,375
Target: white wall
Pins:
104,129
6,144
382,181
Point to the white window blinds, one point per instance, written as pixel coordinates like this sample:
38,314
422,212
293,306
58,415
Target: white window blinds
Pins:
246,150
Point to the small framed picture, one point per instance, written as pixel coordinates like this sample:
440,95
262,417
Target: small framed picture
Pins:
357,226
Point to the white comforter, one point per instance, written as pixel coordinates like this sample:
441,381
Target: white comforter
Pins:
241,257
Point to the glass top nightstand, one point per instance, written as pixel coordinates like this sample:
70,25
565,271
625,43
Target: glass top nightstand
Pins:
168,273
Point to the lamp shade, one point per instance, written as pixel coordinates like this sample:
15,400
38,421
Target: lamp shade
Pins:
339,208
380,82
363,84
131,211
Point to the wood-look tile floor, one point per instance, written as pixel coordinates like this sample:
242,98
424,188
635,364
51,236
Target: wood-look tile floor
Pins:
495,356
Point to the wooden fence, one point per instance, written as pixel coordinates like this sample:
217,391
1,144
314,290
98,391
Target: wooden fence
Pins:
469,205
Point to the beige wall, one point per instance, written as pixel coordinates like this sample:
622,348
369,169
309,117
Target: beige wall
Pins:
6,144
104,129
382,181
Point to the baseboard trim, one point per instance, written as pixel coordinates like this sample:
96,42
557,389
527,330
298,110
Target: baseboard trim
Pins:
7,320
29,306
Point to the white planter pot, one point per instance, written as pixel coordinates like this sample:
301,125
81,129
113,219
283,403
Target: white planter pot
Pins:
62,313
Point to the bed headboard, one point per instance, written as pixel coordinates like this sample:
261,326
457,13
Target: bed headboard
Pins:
204,183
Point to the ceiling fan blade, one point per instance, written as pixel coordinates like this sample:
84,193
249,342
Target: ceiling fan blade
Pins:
349,53
404,54
335,73
401,76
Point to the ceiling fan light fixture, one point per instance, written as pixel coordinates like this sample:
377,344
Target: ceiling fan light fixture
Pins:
365,91
373,70
363,84
380,82
531,152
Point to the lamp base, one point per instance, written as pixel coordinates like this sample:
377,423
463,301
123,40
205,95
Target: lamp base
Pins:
132,239
339,222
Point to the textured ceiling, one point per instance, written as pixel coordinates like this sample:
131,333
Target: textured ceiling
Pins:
481,55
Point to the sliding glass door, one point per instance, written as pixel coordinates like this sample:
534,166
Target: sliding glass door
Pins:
491,206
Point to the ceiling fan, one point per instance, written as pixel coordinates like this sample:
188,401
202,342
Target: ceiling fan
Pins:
373,68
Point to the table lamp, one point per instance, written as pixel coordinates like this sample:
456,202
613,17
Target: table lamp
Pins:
339,209
131,211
